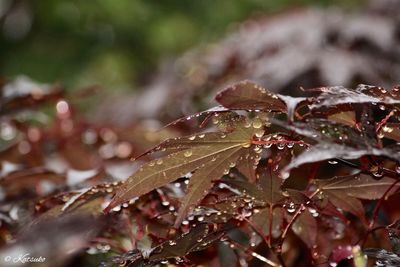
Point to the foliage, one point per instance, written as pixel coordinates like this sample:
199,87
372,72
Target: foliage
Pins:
262,179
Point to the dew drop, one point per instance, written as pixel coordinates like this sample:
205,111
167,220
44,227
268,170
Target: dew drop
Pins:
117,208
246,145
257,123
285,175
188,153
333,162
259,133
192,137
215,120
398,168
291,208
377,174
159,161
201,135
257,149
387,129
7,131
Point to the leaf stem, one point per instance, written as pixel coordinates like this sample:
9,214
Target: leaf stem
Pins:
264,142
254,254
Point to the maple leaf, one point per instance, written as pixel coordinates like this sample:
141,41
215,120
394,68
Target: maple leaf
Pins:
338,95
250,96
345,191
209,156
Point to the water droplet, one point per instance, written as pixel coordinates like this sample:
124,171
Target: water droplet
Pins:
24,147
188,153
377,174
232,164
223,135
257,123
257,149
215,120
280,146
333,162
268,145
159,161
201,135
7,131
246,145
200,219
117,208
165,203
285,175
313,212
398,168
290,145
192,137
259,133
89,137
172,242
291,208
387,129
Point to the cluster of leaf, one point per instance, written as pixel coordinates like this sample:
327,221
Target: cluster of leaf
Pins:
49,156
265,179
273,171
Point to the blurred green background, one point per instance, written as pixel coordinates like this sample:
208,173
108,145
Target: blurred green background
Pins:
116,43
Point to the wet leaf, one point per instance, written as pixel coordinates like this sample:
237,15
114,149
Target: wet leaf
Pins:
199,238
209,154
250,96
271,184
306,228
326,151
383,257
345,117
359,186
337,95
